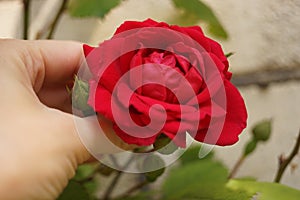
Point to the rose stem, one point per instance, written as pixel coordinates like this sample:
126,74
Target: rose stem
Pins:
285,162
236,166
56,19
114,161
115,180
26,13
133,189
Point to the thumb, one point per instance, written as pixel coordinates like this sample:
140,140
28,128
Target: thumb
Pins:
98,137
87,136
69,140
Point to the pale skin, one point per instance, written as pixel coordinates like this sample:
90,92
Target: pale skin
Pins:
39,146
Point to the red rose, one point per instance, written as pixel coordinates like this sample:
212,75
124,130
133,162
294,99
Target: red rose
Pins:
167,63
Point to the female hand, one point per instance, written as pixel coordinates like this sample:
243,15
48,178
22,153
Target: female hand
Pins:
39,147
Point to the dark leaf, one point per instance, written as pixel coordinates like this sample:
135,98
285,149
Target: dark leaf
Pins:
84,171
74,191
196,8
205,179
91,8
164,145
155,167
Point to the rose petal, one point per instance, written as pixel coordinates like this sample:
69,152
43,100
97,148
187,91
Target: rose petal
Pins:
235,121
217,50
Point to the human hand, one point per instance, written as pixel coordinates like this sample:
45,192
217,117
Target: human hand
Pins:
39,147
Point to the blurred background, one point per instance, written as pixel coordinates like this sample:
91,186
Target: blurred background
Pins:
264,36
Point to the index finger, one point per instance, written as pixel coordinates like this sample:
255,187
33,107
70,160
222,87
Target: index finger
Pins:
42,66
61,59
45,61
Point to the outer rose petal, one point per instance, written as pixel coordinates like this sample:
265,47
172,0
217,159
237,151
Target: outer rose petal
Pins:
87,49
217,50
128,25
111,76
133,140
235,120
195,35
194,28
101,102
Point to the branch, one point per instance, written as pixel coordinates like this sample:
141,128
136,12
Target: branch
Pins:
236,167
56,19
133,189
114,161
44,17
283,163
26,14
112,185
263,78
115,180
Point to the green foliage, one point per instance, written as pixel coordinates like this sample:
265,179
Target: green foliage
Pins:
83,185
207,180
202,179
153,175
265,190
74,191
84,171
85,175
91,8
196,10
91,188
193,11
191,155
153,162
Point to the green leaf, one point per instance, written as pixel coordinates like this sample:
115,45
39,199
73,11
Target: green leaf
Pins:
84,171
91,187
191,155
80,97
85,176
153,175
91,8
153,162
184,19
265,190
74,191
205,179
197,9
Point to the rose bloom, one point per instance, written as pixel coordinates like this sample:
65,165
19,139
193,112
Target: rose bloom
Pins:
175,59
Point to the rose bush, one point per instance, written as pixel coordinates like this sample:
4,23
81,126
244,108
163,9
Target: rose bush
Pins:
169,67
